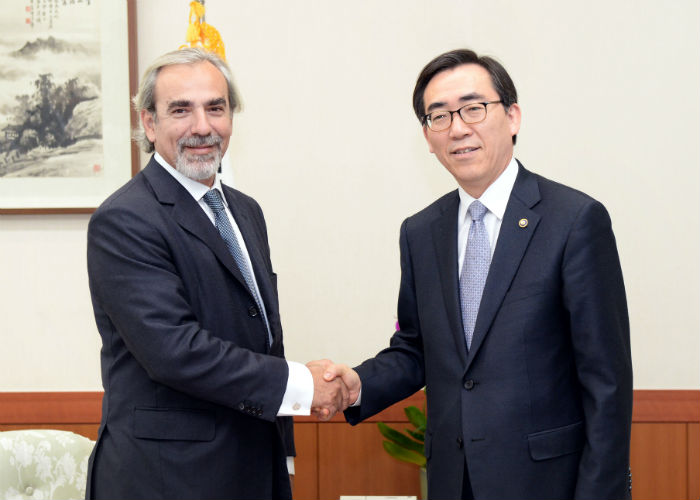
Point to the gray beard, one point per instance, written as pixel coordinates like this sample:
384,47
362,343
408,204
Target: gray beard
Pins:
198,167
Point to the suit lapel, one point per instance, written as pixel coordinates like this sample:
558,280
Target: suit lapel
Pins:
445,240
253,245
512,243
189,215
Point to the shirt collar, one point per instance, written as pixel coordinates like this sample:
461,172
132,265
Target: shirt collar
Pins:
496,196
196,189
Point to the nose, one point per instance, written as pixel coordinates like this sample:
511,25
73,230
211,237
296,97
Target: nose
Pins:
200,123
458,128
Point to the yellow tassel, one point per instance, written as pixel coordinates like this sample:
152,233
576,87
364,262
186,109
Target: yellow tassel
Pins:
201,34
197,8
192,33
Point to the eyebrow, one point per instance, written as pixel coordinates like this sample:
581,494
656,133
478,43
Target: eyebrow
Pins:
465,98
184,103
219,101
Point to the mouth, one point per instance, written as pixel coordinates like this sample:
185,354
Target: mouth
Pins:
464,151
199,145
199,149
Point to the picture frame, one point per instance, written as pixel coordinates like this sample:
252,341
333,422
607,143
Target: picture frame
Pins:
81,192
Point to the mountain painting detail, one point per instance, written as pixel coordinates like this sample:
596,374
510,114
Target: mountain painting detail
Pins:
50,89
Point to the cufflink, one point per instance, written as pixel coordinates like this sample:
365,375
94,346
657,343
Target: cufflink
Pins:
296,406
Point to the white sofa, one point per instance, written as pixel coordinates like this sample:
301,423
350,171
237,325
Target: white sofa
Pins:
43,464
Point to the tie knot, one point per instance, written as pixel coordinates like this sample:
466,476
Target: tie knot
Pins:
477,210
213,199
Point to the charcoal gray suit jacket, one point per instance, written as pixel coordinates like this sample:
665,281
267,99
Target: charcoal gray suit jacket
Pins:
541,405
191,386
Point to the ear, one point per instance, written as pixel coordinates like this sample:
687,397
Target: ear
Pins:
425,134
514,118
148,122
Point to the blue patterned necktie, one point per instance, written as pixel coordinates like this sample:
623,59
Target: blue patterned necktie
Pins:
213,199
477,260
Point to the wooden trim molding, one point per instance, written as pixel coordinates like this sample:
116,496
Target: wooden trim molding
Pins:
666,406
50,407
133,80
86,407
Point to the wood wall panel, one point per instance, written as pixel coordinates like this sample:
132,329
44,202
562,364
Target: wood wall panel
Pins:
352,461
50,407
334,458
666,406
659,461
78,412
693,461
306,463
26,407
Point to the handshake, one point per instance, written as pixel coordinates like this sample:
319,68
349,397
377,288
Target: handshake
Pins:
336,387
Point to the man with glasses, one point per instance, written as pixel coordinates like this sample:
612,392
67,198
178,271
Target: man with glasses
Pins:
511,309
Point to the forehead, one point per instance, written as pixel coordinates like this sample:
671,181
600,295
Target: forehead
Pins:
461,83
197,82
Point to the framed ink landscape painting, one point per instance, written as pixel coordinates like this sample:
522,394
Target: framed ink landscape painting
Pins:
65,119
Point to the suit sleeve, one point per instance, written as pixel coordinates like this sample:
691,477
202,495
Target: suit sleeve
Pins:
134,280
397,371
594,295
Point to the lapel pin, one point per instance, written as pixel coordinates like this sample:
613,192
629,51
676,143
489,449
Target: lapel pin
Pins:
522,223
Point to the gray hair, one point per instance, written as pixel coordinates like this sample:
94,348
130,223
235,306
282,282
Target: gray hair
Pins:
145,98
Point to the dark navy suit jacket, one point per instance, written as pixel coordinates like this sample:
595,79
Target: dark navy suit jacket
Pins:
191,387
541,405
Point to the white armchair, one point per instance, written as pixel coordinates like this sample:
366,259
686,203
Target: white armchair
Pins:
43,464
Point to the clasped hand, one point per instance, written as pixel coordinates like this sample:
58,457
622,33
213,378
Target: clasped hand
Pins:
336,386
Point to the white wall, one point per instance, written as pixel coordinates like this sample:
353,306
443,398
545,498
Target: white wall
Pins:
610,98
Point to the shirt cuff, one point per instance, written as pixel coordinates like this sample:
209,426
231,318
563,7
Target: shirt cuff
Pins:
358,401
299,392
290,466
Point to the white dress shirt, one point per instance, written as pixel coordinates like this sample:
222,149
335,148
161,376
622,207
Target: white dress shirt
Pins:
495,199
299,392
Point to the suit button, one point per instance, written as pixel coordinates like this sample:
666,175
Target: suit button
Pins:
241,406
469,384
460,443
252,311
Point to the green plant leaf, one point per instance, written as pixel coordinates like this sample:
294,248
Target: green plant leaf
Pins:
399,439
418,436
416,417
403,454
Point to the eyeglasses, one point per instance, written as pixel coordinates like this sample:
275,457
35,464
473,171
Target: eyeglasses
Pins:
474,112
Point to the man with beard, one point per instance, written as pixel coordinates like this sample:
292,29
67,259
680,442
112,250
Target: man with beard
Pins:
197,391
